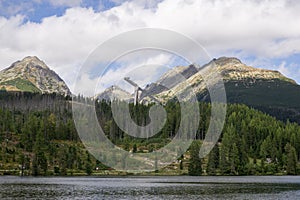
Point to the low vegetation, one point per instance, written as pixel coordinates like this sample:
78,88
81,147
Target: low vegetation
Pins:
20,85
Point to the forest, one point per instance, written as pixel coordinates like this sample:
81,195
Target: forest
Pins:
38,137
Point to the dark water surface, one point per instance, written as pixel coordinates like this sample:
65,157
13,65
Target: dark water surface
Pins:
179,187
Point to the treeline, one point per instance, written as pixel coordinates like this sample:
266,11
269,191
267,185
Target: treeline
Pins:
45,141
27,101
251,142
38,136
254,143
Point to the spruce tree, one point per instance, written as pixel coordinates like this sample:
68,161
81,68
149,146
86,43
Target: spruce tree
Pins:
88,164
213,161
195,165
291,161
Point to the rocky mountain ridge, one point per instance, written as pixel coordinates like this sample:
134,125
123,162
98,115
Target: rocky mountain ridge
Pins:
176,81
32,75
234,69
266,90
231,70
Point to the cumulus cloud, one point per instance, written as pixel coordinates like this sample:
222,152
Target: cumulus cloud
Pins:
267,29
143,67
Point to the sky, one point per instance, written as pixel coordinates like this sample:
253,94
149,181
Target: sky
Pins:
261,33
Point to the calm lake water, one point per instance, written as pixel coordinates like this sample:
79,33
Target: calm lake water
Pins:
180,187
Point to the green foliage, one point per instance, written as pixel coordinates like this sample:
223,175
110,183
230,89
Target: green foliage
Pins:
195,163
291,160
56,170
134,149
45,141
22,85
213,161
279,98
88,165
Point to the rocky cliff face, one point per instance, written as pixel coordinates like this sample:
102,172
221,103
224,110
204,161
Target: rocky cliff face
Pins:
32,75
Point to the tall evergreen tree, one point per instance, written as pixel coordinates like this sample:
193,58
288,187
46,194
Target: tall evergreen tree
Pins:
195,164
213,161
88,164
291,161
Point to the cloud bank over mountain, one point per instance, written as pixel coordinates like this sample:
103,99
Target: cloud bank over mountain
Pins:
262,33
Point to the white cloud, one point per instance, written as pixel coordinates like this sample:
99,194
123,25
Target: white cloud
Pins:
142,67
265,29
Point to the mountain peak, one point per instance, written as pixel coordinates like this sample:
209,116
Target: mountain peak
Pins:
114,88
31,58
32,75
233,69
33,61
227,60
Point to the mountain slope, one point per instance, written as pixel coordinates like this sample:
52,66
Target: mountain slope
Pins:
231,70
267,90
32,75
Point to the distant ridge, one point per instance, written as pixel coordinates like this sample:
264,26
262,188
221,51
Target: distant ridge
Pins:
114,93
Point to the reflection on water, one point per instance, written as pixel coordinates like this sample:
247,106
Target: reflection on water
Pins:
182,187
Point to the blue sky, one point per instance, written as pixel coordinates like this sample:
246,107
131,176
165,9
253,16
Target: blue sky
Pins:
36,10
263,34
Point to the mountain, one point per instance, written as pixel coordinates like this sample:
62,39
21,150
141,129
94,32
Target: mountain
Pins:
114,92
32,75
232,70
266,90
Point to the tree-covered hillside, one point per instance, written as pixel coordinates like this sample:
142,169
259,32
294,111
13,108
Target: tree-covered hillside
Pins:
42,140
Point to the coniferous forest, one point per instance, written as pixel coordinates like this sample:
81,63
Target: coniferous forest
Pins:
38,137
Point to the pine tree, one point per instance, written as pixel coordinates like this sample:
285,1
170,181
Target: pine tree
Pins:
40,163
43,162
213,161
225,149
35,167
88,165
234,159
62,157
291,161
195,164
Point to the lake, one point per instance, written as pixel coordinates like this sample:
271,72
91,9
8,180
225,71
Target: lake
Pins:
154,187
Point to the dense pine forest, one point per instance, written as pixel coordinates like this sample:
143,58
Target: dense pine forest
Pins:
38,137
